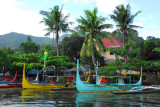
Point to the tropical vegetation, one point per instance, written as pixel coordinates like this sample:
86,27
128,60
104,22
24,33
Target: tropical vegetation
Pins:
124,19
85,43
55,22
92,25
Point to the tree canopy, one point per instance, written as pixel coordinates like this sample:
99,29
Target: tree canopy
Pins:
124,19
92,25
56,22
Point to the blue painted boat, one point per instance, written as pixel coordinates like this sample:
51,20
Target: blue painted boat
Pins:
82,87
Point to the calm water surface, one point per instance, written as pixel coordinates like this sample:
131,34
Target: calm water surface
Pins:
18,97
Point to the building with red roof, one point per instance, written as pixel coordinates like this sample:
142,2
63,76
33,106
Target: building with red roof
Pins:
111,43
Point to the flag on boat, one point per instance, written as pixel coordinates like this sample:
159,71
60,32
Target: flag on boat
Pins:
45,55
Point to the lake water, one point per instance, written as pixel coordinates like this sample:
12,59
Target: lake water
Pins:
18,97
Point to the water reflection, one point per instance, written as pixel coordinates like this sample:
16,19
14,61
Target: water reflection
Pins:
46,98
30,95
110,100
95,99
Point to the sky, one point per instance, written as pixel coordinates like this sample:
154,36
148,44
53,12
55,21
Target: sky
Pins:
22,16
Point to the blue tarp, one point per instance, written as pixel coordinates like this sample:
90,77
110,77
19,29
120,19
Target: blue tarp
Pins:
33,71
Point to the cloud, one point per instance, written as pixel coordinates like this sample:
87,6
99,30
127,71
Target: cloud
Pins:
145,33
70,19
107,6
14,19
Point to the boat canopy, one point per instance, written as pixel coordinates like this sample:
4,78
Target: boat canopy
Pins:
34,71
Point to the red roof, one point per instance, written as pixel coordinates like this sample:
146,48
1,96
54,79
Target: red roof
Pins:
112,43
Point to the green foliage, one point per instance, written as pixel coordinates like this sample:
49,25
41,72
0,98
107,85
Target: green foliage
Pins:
59,61
55,21
48,47
88,60
147,50
29,47
4,59
93,26
124,19
31,60
11,61
29,39
70,46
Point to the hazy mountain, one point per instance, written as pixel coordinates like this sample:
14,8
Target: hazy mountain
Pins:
13,39
63,36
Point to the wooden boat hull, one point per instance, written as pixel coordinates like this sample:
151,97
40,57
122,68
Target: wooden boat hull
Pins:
28,85
86,88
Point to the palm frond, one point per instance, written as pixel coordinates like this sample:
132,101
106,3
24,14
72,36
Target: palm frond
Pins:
99,46
133,16
135,26
83,50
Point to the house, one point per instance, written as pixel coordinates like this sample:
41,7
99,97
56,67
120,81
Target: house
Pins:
111,43
83,70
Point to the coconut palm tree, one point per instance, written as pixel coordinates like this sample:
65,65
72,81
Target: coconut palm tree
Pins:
56,22
124,19
92,25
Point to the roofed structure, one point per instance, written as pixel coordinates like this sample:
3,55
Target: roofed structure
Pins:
112,43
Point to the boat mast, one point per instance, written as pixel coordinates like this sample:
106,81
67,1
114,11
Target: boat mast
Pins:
45,57
43,71
97,74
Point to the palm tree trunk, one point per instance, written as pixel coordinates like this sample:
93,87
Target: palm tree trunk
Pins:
57,43
53,41
93,57
124,37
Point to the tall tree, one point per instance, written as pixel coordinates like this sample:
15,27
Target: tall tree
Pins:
70,46
29,38
29,46
55,22
92,25
124,19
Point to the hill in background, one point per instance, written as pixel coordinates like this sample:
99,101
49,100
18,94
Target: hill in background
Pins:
13,39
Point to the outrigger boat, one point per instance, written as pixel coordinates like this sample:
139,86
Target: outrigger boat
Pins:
139,90
83,87
11,84
27,85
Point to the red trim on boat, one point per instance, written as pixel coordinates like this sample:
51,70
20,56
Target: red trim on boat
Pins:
17,86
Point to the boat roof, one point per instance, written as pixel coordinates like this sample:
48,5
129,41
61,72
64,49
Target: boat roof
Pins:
81,68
